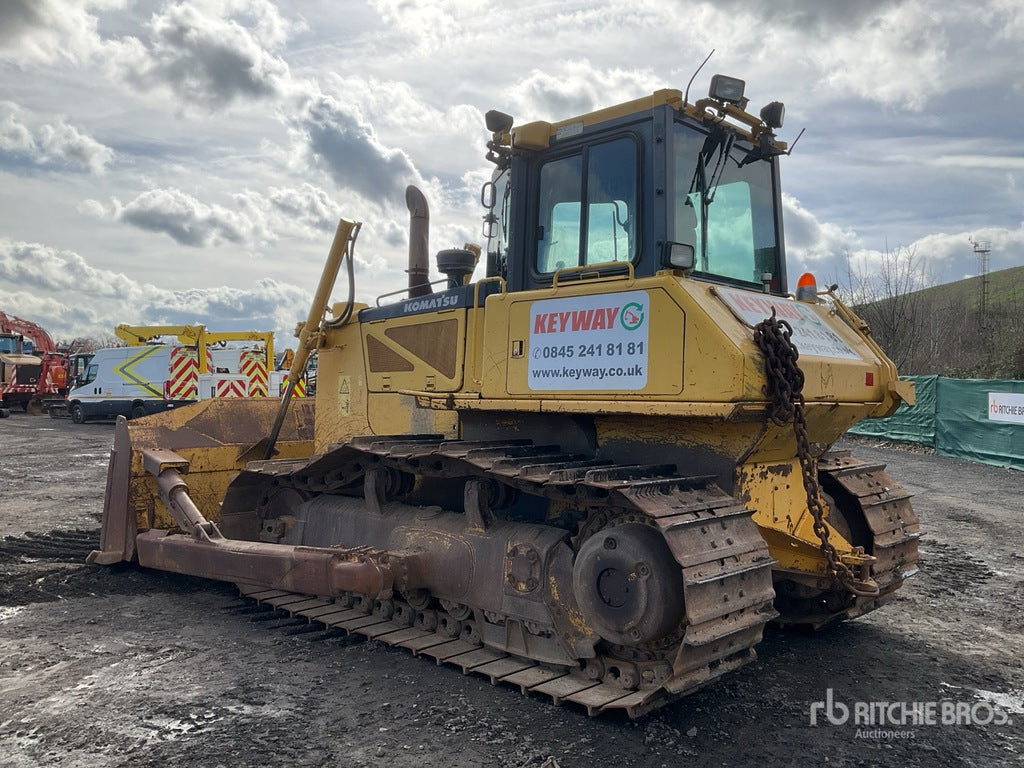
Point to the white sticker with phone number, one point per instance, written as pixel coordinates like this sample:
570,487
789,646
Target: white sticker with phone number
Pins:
590,342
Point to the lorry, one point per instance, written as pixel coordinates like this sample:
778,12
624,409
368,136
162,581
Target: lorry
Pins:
597,471
245,373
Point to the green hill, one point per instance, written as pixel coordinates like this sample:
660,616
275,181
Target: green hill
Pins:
941,329
1005,289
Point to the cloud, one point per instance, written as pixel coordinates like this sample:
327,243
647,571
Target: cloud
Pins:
336,137
70,298
50,270
576,87
429,24
819,16
271,304
306,205
207,55
812,242
15,136
180,216
829,250
50,143
439,136
892,52
20,17
254,218
896,57
991,161
953,253
50,30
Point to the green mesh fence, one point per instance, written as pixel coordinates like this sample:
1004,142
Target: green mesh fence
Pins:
977,419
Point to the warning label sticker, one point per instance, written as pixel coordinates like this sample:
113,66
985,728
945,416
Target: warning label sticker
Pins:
811,334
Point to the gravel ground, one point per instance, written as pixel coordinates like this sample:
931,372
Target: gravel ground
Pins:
121,666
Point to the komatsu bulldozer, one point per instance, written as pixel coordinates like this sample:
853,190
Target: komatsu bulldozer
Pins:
597,471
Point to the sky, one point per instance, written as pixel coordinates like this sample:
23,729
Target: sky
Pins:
187,161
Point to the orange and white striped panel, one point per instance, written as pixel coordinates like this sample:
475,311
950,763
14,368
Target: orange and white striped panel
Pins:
184,374
254,365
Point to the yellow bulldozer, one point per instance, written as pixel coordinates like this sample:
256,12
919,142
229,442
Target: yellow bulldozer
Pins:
597,471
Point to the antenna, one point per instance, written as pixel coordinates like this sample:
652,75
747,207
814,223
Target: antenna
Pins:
982,248
686,96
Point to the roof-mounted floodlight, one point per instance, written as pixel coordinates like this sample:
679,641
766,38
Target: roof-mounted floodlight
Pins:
498,122
727,89
499,148
772,114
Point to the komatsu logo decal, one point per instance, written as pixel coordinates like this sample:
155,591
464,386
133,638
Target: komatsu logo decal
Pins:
434,302
126,371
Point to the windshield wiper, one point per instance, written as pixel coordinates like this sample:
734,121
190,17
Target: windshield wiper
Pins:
720,142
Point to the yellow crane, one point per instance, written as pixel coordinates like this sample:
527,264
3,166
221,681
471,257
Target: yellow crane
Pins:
194,336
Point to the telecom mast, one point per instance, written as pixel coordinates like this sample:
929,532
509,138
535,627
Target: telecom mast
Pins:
982,248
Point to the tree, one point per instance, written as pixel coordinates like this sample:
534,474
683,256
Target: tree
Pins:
887,294
88,343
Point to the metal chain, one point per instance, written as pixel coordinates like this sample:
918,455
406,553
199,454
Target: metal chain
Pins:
784,388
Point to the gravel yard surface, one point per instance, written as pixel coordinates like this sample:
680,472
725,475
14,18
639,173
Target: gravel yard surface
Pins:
120,666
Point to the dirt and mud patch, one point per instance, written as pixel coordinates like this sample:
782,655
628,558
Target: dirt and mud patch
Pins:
120,666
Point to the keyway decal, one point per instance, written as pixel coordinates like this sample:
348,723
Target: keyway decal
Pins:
590,342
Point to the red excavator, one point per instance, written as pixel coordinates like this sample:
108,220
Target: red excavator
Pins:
31,366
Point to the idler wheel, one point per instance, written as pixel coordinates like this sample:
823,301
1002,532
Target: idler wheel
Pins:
628,585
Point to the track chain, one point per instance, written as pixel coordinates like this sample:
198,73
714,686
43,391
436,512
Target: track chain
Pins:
885,504
724,562
64,546
894,531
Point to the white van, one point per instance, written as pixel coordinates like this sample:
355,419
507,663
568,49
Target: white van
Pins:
131,382
135,381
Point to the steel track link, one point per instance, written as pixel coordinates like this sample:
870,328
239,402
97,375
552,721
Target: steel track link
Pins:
561,684
893,524
886,517
724,562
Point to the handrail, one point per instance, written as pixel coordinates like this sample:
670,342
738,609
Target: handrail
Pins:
410,288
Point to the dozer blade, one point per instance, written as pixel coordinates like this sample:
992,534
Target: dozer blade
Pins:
216,437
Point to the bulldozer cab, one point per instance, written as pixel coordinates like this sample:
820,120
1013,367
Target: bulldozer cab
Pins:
655,184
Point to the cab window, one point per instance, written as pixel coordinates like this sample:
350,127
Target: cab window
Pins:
573,233
724,206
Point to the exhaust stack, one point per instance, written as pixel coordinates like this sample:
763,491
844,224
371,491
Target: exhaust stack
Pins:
419,242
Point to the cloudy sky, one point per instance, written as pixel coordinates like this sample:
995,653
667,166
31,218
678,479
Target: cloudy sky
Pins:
173,161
